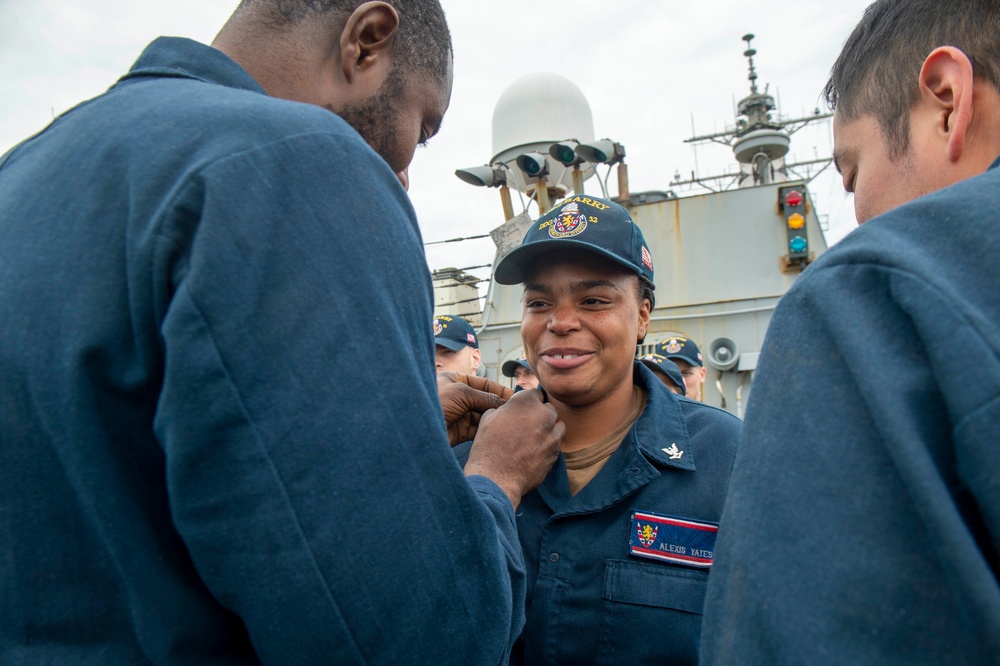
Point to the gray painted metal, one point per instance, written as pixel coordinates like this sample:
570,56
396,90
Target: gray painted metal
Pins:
719,258
719,274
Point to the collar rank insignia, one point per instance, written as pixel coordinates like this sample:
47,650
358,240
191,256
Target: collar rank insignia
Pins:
669,539
673,452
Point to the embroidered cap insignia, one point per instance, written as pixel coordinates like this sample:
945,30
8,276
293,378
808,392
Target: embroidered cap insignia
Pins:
569,222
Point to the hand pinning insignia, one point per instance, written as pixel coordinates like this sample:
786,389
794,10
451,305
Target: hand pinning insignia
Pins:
673,452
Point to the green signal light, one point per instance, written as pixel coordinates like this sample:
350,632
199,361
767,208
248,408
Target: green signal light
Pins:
565,154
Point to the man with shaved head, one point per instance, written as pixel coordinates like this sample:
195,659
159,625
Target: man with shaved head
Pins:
202,462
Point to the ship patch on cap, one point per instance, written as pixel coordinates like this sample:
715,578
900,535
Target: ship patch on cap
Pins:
584,223
679,347
454,333
569,222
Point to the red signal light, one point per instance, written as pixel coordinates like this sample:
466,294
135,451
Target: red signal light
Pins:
793,198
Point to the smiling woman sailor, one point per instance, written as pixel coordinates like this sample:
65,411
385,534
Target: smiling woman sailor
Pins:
618,539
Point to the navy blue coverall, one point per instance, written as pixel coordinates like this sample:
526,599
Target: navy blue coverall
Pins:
863,520
202,460
596,593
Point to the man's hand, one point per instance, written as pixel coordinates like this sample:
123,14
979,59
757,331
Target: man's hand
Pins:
517,444
464,399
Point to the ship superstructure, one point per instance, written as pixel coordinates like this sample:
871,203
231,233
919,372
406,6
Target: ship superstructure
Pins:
724,254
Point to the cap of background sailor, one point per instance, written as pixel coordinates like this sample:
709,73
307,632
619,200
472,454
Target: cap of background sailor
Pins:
454,333
664,365
510,367
587,223
680,348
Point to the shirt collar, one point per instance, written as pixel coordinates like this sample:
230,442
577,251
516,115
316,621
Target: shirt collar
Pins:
185,58
661,432
660,426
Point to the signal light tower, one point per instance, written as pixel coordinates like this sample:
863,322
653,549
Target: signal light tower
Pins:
792,204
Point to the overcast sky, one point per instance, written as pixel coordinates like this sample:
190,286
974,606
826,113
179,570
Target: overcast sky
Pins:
648,69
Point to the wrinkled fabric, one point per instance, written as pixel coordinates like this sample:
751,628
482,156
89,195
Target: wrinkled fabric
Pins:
590,600
864,512
202,459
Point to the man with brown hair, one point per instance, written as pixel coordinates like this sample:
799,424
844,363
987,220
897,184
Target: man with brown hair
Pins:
863,520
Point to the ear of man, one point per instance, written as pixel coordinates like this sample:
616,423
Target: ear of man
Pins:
366,43
945,102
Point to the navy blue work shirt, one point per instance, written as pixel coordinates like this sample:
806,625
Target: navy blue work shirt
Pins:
596,595
202,460
863,520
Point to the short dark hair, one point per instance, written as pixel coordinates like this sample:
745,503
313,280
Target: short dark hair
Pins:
646,291
423,42
878,68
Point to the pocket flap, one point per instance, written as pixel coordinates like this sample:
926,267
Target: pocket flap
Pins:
662,586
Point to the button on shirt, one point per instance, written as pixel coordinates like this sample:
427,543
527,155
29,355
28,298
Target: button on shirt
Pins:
589,599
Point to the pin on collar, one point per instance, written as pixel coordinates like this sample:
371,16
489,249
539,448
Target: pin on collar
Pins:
673,452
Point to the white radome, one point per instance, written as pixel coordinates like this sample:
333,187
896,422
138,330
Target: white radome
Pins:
534,112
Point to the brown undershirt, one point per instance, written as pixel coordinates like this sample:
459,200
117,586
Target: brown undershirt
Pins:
584,464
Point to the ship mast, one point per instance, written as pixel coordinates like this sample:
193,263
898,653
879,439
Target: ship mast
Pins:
759,140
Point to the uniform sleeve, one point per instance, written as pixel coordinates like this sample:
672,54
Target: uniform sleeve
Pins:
853,530
308,467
